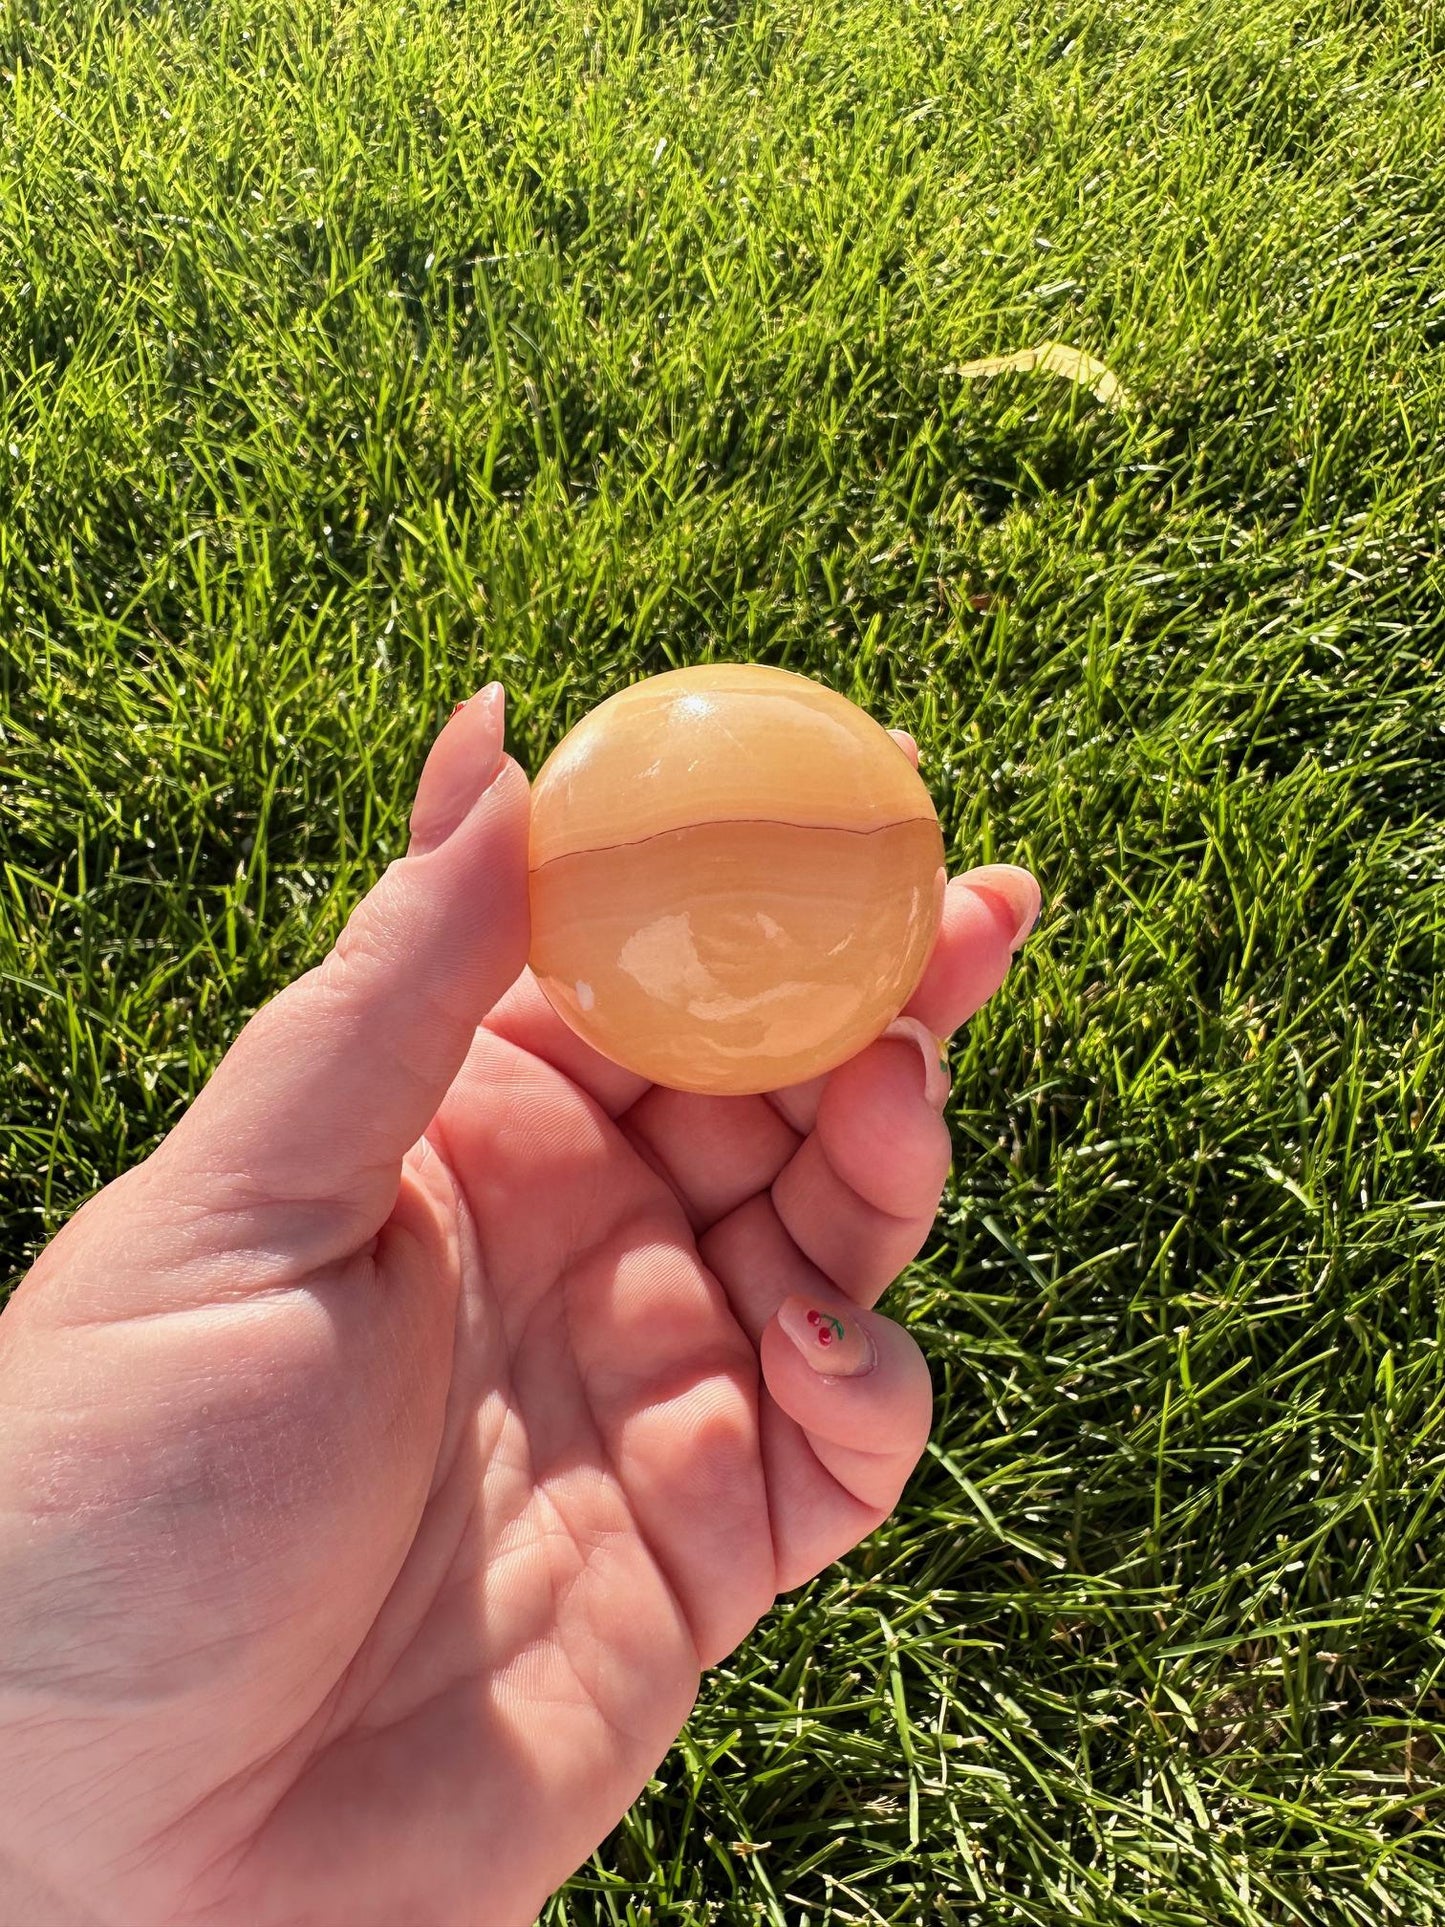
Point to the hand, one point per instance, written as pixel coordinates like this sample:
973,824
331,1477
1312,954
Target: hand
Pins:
387,1455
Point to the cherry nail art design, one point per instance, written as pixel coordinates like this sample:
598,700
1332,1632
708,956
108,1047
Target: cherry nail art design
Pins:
829,1329
828,1345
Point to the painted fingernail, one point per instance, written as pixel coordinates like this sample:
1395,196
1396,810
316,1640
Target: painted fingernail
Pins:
836,1346
1015,889
463,761
934,1051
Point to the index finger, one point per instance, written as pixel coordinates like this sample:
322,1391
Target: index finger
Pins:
987,915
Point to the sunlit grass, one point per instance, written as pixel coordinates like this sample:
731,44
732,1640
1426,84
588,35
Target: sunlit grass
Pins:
351,354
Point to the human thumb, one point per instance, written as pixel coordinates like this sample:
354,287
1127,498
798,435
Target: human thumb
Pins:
328,1086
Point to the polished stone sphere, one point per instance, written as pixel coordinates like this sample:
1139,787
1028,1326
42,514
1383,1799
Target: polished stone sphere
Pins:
736,878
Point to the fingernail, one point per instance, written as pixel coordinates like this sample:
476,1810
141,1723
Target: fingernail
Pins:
836,1346
1015,889
463,761
934,1051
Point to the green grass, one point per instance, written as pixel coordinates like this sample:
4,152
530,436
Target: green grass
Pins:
351,353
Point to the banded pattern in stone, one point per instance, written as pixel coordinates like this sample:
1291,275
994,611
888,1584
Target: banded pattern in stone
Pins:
736,878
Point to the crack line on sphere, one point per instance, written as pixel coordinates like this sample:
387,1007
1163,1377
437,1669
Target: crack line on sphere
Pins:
719,822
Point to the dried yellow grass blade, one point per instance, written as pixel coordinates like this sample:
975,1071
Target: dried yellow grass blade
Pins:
1054,358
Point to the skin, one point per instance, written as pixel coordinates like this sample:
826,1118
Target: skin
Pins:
387,1455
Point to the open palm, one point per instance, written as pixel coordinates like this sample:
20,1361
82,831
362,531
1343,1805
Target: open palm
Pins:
387,1456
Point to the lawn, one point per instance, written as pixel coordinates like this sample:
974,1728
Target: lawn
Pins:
355,351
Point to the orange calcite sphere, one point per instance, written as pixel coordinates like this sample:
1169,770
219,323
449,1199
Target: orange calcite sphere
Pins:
736,878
